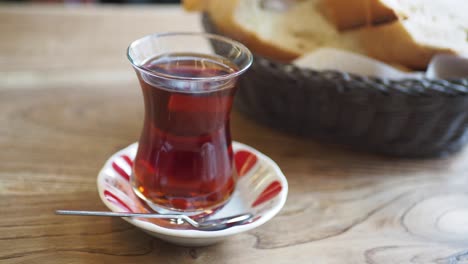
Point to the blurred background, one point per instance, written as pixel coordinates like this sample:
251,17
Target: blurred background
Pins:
98,1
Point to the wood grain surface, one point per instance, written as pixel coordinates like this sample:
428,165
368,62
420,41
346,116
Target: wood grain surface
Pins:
69,99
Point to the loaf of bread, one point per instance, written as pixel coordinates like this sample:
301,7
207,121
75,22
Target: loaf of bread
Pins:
405,32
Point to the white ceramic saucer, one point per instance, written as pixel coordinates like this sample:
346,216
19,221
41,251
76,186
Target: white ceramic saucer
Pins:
261,190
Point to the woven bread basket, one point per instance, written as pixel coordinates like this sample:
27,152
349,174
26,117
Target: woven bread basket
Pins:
407,118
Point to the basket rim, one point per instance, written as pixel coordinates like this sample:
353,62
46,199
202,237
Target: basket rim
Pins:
408,86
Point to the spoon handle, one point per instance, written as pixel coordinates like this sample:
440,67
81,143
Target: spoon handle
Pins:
99,213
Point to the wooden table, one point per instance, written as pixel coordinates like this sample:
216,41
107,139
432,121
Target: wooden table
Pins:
69,99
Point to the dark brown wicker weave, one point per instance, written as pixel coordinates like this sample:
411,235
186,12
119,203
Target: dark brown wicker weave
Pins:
411,118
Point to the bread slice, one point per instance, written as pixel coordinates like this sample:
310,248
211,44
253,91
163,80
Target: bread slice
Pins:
424,28
282,35
412,31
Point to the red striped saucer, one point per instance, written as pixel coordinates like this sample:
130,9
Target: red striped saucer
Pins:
261,190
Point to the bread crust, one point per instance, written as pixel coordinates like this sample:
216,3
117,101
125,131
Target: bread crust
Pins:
393,43
350,14
195,5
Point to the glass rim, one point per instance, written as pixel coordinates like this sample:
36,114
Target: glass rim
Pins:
208,36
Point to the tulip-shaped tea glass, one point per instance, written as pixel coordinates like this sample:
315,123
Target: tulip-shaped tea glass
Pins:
184,161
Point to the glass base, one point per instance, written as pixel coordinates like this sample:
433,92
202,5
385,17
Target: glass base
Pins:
196,214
